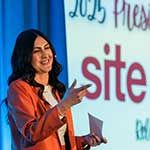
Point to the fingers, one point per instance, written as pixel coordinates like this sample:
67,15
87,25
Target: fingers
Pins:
90,140
84,87
75,95
73,84
99,140
81,92
104,140
95,140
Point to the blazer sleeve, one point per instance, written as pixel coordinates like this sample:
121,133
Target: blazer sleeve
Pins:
20,107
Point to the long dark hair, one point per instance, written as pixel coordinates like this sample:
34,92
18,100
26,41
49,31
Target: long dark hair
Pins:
21,62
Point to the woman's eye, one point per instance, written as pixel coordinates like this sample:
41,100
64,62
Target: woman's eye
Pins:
36,50
47,47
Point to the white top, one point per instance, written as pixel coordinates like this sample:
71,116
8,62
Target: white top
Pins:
52,101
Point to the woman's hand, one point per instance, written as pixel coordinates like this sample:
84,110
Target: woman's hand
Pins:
72,96
93,140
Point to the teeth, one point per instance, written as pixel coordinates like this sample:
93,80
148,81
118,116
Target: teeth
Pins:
44,62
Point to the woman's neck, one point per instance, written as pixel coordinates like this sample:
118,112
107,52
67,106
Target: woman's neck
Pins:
42,78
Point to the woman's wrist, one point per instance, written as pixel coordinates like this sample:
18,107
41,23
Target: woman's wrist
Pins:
62,108
82,140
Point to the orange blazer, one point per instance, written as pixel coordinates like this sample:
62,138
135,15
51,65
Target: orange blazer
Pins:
33,123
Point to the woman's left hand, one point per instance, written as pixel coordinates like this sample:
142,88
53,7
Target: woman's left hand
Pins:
93,140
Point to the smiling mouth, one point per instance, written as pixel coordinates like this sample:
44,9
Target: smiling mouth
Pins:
45,62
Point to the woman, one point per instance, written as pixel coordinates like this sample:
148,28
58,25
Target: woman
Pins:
38,104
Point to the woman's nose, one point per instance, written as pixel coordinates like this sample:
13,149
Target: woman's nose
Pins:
44,54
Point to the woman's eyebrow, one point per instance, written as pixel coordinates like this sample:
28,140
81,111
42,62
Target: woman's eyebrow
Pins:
40,46
47,44
36,47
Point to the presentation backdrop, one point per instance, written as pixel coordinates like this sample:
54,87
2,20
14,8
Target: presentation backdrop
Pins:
108,44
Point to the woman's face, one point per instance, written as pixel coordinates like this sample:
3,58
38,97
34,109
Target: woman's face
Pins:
42,56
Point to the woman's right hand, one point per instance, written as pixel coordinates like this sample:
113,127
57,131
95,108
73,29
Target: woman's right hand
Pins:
73,96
